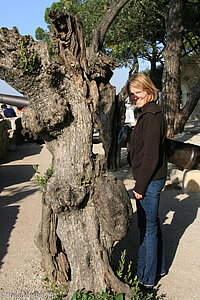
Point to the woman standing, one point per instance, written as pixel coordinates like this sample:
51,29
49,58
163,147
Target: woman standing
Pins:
149,168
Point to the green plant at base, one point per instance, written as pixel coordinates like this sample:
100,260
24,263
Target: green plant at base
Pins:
105,294
121,264
53,289
42,179
134,284
127,277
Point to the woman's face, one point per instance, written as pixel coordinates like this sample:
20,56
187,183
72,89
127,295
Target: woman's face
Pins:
140,97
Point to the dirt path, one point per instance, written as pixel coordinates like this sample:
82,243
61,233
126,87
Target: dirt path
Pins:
20,211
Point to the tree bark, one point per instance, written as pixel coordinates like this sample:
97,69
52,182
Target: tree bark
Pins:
85,211
110,132
171,72
188,108
153,70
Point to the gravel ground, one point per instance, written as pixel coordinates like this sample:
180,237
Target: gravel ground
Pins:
20,212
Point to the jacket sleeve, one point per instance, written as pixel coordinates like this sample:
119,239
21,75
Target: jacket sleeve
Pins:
151,145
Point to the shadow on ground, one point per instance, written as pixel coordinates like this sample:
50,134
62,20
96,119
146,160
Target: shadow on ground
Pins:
10,193
24,150
15,174
177,212
9,210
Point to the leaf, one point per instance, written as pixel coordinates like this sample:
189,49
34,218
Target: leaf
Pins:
76,296
35,168
119,297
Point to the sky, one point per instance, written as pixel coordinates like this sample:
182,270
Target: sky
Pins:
27,16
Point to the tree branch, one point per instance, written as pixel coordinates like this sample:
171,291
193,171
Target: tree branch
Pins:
21,60
188,108
102,28
193,100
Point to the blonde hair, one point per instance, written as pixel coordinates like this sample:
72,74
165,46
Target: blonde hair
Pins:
141,81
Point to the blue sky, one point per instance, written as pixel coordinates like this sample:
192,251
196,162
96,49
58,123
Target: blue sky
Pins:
27,15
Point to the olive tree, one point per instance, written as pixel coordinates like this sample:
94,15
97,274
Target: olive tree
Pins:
85,210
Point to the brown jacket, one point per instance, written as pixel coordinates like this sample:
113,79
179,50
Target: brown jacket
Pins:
148,147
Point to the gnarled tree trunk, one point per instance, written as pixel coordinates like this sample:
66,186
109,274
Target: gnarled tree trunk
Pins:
171,72
85,211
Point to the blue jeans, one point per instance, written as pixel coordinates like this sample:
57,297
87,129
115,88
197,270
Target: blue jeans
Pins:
151,260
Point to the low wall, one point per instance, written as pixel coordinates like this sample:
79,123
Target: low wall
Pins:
4,138
10,134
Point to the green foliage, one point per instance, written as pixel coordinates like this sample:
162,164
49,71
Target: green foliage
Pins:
43,35
121,264
128,278
137,29
53,289
139,24
110,295
105,294
82,180
137,32
25,64
71,6
191,22
42,179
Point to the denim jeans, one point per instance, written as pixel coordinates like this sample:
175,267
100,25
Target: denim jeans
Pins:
151,260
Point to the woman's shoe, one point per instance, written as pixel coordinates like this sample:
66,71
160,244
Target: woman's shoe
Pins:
146,286
162,274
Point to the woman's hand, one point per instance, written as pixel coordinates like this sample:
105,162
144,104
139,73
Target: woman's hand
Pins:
137,196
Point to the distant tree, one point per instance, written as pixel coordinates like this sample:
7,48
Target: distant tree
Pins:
137,32
191,23
171,89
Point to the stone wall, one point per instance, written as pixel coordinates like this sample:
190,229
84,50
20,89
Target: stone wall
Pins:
4,138
10,135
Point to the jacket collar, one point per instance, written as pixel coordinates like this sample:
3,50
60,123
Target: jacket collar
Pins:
150,107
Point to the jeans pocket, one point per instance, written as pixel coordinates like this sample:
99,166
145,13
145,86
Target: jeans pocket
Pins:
155,187
159,183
